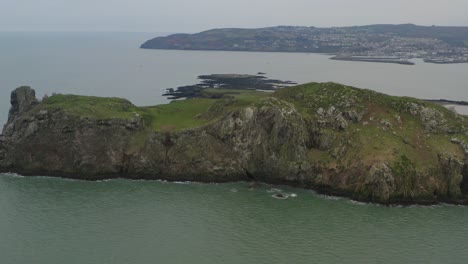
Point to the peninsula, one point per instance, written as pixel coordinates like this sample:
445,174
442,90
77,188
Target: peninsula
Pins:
373,43
329,137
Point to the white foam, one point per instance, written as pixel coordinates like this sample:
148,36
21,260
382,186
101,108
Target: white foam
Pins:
11,174
274,190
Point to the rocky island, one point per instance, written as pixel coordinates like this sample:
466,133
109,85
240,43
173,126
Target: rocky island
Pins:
329,137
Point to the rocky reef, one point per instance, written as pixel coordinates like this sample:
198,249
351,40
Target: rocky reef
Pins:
329,137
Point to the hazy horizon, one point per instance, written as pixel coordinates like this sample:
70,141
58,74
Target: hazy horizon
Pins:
175,32
190,16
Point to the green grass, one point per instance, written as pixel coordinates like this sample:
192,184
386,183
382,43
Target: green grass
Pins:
197,112
243,95
90,106
307,98
179,115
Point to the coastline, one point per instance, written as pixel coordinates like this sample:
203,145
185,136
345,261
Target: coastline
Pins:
321,190
252,137
370,59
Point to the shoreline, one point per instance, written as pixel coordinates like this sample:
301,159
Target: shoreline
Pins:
320,190
330,55
369,59
252,138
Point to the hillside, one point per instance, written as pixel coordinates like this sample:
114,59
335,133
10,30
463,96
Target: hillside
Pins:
326,136
434,44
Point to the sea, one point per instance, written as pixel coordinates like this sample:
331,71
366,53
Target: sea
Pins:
52,220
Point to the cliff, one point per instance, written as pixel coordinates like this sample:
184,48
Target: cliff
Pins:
325,136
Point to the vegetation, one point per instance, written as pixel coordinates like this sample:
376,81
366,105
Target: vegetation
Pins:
389,40
91,106
177,115
387,130
386,124
414,148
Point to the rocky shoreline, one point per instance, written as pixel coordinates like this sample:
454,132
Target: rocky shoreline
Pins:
271,141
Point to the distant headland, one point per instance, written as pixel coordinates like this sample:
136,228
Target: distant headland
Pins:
373,43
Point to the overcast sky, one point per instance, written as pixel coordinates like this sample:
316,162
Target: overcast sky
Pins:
197,15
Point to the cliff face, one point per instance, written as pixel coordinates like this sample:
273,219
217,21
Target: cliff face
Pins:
342,147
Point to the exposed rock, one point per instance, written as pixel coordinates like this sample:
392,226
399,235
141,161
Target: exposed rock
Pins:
321,139
379,183
353,116
22,99
274,140
386,123
431,118
320,111
451,171
341,123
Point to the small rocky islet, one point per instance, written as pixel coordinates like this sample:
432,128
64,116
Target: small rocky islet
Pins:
329,137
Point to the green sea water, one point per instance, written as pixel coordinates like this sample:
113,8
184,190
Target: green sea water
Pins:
52,220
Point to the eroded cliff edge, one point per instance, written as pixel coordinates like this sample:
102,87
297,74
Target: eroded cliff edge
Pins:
325,136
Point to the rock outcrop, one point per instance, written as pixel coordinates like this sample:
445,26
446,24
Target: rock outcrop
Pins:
22,100
344,147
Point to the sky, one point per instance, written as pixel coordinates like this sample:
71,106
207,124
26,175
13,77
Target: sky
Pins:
197,15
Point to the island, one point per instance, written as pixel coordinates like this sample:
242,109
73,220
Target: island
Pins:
329,137
373,43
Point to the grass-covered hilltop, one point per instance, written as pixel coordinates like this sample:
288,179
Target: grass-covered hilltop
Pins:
326,136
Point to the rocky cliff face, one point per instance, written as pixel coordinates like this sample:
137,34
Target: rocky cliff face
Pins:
272,141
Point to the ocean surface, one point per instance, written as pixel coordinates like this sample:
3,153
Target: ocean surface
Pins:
51,220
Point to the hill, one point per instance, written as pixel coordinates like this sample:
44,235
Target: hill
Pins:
435,44
329,137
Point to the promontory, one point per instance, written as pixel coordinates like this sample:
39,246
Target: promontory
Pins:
329,137
371,43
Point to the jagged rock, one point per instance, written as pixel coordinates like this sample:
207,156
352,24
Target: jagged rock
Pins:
451,171
341,123
431,118
22,99
379,183
321,139
353,116
331,111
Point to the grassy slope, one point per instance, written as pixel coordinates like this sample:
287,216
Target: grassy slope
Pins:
90,106
407,138
308,98
177,115
366,142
